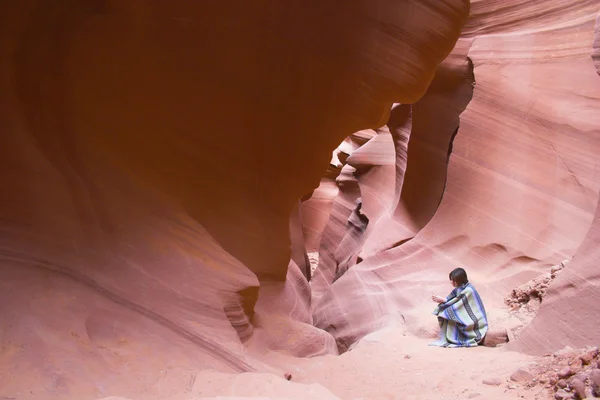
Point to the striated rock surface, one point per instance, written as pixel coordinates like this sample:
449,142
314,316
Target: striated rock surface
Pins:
152,154
596,50
368,184
156,159
522,179
571,307
571,303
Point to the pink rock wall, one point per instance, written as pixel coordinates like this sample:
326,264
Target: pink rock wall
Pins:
571,307
522,181
596,46
152,153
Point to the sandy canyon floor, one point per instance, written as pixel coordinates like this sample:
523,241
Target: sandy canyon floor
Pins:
385,365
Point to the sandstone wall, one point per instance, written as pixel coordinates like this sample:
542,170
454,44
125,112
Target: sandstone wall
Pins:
521,184
152,153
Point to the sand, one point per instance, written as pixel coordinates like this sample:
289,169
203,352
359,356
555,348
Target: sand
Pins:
385,365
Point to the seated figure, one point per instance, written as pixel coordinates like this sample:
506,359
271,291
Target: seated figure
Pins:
461,315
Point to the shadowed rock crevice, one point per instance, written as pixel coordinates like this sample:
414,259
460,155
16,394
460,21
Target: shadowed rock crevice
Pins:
398,211
241,313
432,139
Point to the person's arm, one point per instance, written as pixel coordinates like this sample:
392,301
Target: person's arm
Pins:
438,299
452,295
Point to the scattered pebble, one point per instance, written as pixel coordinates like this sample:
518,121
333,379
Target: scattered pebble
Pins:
586,358
595,382
521,376
492,382
578,387
565,372
561,384
561,394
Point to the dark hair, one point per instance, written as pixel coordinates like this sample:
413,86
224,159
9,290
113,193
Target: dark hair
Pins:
459,276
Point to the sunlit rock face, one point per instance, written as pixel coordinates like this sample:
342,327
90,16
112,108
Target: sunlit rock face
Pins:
152,154
510,193
572,305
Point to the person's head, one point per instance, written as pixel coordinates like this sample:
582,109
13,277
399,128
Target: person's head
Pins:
458,276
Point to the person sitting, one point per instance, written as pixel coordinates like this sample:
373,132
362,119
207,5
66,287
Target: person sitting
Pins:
461,315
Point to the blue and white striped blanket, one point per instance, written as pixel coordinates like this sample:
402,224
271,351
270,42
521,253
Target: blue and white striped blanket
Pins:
462,318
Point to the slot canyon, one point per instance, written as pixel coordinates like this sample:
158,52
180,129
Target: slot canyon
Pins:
257,200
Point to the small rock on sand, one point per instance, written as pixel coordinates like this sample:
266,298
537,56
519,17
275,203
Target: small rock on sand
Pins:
492,382
561,384
113,398
565,372
561,394
588,357
578,387
595,382
521,376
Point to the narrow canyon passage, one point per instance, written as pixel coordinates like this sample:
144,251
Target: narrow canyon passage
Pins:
169,228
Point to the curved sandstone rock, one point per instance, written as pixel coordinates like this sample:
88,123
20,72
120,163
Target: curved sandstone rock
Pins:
522,180
151,155
571,305
596,45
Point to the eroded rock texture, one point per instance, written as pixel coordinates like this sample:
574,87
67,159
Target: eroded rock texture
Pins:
521,184
152,153
572,302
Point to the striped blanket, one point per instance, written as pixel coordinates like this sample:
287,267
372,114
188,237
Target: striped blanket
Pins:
462,318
